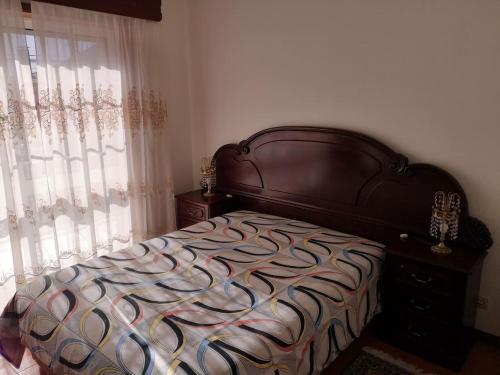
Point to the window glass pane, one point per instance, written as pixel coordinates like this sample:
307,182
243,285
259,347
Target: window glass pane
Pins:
30,42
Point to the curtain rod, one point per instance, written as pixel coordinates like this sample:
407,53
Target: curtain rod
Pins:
26,7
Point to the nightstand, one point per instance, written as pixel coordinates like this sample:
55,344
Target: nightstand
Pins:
429,301
193,207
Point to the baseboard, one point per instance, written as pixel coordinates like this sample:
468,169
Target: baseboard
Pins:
487,337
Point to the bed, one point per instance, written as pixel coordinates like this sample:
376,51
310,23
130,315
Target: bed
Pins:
242,293
276,286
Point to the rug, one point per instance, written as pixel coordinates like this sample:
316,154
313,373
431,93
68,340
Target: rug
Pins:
372,361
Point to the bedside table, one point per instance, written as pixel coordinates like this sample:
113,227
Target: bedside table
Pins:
193,207
429,301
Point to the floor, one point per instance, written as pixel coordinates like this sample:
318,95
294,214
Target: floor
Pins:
28,366
484,359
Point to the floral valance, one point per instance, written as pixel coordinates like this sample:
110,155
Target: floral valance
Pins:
102,109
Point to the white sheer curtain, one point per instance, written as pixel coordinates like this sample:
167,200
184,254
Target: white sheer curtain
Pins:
88,171
24,229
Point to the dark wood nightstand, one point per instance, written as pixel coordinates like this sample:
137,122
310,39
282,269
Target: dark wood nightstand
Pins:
193,207
429,301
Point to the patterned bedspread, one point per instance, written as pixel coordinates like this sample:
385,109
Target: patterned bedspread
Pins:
243,293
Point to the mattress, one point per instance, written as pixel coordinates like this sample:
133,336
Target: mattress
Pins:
242,293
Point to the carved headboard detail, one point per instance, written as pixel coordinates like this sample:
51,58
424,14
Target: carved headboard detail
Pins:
339,179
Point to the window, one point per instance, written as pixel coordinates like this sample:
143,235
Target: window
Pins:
30,43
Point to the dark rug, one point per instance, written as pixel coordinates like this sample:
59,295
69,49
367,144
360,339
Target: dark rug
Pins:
371,361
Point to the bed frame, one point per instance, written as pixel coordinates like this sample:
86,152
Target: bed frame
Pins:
339,179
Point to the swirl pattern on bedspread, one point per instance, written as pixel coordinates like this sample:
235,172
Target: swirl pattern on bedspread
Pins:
242,293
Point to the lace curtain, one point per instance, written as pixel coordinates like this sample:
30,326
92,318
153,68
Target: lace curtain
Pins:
84,166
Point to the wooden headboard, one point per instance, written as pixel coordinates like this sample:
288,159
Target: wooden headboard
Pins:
339,179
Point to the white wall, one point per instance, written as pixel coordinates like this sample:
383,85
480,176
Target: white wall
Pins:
422,76
173,56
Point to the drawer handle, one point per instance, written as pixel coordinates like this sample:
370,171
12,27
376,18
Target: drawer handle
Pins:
412,332
421,281
420,307
194,212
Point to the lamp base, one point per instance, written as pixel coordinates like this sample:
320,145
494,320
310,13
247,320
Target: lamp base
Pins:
441,248
208,193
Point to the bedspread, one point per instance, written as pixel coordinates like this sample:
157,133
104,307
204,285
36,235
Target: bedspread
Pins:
242,293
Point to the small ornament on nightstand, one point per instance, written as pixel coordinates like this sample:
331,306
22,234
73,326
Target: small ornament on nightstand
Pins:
444,220
207,180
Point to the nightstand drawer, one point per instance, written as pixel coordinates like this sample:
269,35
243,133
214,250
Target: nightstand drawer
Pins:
192,211
424,303
423,331
422,276
193,207
436,342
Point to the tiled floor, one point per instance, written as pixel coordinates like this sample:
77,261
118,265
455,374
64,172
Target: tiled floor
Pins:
28,366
